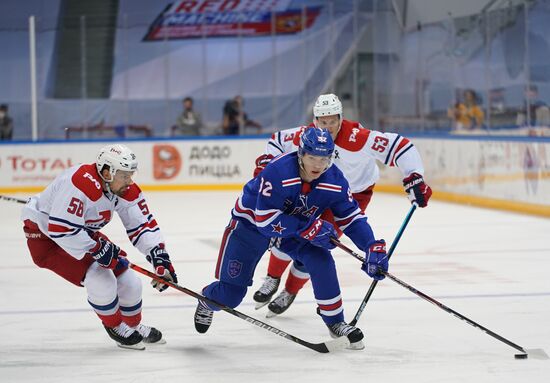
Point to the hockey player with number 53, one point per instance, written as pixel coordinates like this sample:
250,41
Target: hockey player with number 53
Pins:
284,202
356,151
62,228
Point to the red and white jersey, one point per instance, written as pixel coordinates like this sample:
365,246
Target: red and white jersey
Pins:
74,206
355,152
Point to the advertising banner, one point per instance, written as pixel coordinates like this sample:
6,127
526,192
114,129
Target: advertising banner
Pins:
507,170
162,164
505,174
206,18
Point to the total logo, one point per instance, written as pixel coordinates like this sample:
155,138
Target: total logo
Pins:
166,162
28,164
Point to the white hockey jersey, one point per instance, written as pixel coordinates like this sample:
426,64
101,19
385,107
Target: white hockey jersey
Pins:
355,152
74,206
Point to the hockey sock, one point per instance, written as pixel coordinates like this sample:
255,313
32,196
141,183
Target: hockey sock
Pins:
112,320
132,320
295,281
276,266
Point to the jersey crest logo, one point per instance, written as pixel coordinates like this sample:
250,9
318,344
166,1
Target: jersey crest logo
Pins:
305,210
353,135
234,268
93,180
96,224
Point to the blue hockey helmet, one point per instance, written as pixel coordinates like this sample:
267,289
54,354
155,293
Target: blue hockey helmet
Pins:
316,142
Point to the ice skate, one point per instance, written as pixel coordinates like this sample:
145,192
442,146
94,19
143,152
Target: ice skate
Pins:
126,337
203,317
266,291
354,334
280,304
150,334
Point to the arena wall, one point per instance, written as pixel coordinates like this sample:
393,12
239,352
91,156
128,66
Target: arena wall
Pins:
494,172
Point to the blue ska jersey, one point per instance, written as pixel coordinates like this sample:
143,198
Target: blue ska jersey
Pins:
279,204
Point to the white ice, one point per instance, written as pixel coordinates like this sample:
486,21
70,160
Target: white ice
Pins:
491,266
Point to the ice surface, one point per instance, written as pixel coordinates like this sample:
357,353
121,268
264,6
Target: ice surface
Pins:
491,266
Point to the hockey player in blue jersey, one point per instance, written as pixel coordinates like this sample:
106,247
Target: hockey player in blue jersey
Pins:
283,203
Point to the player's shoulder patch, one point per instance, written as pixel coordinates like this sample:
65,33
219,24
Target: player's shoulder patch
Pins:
132,193
352,136
86,179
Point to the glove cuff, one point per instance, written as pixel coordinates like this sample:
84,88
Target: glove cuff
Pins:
311,231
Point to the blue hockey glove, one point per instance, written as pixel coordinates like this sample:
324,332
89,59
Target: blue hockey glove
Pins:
319,234
376,259
106,253
160,260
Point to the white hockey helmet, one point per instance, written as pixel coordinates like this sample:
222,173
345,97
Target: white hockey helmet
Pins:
327,105
116,157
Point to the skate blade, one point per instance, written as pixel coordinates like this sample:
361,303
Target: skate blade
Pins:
356,346
259,305
161,341
271,314
349,346
337,344
138,346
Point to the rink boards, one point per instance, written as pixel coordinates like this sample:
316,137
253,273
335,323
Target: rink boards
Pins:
505,173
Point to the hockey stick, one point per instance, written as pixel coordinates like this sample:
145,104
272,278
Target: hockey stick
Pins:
329,346
536,353
13,199
392,248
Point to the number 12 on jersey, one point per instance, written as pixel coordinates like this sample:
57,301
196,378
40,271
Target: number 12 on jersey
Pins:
265,188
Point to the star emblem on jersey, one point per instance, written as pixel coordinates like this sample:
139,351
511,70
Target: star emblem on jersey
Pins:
278,228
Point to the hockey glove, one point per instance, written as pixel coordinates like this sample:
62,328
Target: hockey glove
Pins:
261,163
319,233
417,190
376,259
160,260
106,253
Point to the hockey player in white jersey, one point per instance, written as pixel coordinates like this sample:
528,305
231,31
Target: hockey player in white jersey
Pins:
62,226
356,151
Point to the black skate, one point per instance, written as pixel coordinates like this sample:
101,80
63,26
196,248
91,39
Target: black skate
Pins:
150,334
354,334
266,291
125,337
280,304
203,317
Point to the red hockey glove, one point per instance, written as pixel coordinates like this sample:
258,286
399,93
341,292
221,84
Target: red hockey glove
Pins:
417,190
261,163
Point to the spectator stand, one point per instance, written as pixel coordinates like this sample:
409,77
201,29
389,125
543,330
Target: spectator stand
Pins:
107,131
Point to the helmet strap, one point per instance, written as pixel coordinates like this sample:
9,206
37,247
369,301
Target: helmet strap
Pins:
107,182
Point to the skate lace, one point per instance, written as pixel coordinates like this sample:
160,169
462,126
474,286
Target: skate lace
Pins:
269,285
341,328
204,315
123,330
143,330
283,299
